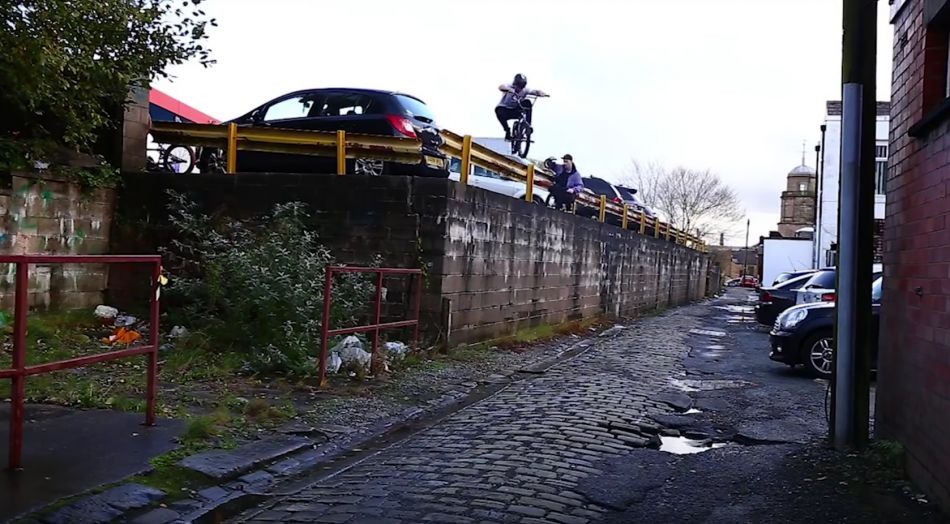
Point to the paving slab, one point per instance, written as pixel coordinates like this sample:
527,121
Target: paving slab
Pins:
221,464
67,452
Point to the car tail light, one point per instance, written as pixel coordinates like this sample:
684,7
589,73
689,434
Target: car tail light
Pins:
766,298
827,297
402,125
617,200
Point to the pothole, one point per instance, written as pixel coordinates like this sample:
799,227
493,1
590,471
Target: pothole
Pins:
692,386
687,446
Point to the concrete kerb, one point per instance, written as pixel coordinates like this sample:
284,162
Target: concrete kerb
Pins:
245,484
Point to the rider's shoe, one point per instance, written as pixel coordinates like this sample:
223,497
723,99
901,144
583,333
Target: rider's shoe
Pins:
507,135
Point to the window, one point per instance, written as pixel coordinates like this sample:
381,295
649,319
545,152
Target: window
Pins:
803,187
822,280
880,178
416,108
600,187
295,107
880,151
877,290
344,104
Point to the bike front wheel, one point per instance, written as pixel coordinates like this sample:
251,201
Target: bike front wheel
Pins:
521,139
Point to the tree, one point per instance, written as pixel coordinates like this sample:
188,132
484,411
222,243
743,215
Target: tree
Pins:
695,201
66,65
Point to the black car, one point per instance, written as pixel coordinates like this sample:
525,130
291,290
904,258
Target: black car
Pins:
804,334
362,111
597,187
783,277
773,300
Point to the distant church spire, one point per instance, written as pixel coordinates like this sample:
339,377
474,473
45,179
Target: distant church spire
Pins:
804,147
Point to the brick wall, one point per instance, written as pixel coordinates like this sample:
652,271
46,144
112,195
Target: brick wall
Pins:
45,214
913,397
495,263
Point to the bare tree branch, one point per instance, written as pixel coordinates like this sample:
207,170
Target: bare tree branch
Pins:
696,201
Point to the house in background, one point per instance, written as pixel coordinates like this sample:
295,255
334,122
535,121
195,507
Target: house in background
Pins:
826,228
798,203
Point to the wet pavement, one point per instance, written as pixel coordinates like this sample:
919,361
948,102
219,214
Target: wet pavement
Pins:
576,443
68,451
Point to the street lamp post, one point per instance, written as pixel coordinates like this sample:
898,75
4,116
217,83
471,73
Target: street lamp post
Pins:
745,259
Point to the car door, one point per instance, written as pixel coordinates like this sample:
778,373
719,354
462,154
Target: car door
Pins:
290,112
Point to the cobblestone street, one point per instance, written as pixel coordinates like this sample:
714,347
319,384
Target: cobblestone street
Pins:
577,442
519,455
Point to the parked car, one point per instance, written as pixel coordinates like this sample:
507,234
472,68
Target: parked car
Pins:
734,282
597,187
362,111
776,299
823,289
494,182
628,196
804,334
788,275
750,281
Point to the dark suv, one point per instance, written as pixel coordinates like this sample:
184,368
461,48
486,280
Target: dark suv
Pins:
362,111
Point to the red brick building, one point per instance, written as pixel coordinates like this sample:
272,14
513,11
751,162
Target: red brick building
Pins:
913,397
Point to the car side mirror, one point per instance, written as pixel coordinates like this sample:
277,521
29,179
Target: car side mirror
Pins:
257,115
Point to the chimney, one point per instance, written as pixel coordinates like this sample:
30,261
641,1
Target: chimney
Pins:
722,239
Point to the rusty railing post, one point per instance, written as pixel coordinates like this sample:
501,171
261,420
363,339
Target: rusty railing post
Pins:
374,360
325,326
154,318
341,152
18,381
232,148
415,334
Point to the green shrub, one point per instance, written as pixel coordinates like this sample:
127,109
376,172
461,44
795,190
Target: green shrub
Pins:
256,287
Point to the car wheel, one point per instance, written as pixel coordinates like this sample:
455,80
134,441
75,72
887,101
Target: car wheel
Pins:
539,201
818,355
365,166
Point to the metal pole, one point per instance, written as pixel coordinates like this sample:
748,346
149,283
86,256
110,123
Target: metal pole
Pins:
325,326
375,361
745,257
153,337
18,381
851,380
820,189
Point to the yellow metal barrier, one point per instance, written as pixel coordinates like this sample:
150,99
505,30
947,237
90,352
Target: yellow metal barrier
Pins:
529,185
342,146
341,152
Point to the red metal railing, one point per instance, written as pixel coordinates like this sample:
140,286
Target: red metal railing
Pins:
18,373
376,326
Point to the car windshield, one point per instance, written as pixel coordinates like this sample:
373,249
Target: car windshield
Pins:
416,108
625,194
877,290
822,279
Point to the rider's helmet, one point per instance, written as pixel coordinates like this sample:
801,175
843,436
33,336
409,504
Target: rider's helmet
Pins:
520,81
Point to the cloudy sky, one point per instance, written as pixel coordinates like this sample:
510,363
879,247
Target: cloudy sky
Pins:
730,85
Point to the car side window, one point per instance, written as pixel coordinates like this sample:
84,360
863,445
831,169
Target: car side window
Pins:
294,107
345,104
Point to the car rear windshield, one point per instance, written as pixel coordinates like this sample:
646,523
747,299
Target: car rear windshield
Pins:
600,187
794,282
625,194
823,280
416,108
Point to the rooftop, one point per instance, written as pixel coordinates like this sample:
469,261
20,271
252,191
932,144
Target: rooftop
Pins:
834,108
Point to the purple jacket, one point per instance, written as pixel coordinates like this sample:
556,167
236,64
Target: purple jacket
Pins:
574,183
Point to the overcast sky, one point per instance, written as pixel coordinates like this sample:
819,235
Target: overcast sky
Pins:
730,85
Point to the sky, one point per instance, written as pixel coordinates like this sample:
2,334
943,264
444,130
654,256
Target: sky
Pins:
734,86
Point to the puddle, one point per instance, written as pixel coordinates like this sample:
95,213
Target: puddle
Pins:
708,332
738,309
716,347
692,411
692,386
686,446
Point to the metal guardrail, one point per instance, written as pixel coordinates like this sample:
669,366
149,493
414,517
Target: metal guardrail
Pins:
376,326
19,370
343,146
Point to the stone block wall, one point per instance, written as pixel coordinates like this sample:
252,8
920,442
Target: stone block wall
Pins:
493,264
46,214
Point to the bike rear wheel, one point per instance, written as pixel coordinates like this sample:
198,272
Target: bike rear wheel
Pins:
179,159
